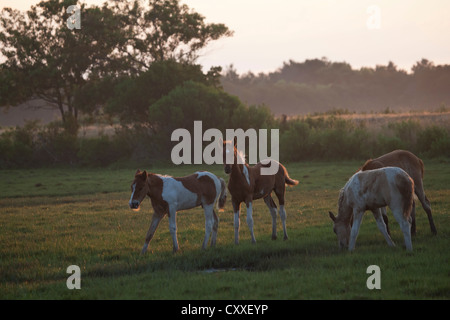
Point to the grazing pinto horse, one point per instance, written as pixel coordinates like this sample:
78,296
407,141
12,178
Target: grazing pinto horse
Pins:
247,184
169,194
371,190
415,168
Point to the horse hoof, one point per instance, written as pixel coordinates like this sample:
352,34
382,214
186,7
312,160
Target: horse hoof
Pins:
274,237
285,238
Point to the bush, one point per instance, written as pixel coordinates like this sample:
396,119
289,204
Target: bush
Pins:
407,133
306,139
434,141
17,146
324,138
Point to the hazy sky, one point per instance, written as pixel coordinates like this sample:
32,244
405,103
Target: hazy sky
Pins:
360,32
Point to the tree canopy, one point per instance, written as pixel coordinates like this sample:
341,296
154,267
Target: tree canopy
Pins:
74,70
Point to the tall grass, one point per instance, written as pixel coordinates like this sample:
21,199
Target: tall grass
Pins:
334,136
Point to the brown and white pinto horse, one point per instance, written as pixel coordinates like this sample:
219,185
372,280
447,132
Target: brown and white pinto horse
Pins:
169,195
371,190
415,168
247,184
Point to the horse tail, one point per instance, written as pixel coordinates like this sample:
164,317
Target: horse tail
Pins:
406,186
288,180
223,194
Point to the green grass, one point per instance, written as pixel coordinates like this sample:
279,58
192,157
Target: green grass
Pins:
53,218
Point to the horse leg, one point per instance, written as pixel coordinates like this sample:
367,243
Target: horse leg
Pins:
215,228
382,226
385,219
236,210
280,195
426,206
283,221
273,212
173,228
250,220
209,223
156,218
357,219
405,224
413,219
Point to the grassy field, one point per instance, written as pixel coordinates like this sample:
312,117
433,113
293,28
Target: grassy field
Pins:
53,218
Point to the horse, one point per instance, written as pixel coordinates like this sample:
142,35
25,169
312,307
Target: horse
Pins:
170,194
247,184
371,190
415,168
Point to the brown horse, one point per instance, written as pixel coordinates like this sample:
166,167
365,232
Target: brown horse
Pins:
169,195
415,168
247,184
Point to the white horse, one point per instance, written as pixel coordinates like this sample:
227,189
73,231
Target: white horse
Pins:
371,190
169,195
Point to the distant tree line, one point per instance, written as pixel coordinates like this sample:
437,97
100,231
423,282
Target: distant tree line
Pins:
319,85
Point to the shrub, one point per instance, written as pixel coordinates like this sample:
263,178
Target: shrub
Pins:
434,141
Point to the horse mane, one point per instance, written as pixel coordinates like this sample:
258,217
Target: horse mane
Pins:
342,215
341,198
241,155
365,165
163,175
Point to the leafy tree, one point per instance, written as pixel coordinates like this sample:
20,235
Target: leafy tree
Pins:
66,68
163,30
132,96
46,60
195,101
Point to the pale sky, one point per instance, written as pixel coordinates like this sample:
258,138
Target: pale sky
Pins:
360,32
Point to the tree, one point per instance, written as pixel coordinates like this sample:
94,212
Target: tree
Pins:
163,30
48,61
133,95
193,101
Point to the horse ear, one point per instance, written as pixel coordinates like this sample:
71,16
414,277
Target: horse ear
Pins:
145,174
137,172
332,216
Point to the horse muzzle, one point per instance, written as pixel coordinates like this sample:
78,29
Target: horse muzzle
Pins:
134,205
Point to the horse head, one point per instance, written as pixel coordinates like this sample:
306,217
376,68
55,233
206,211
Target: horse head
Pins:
139,189
342,230
229,149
